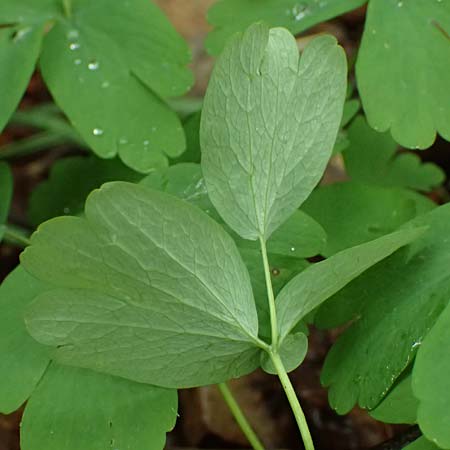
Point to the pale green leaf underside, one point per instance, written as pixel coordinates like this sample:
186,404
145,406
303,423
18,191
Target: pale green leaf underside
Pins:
371,158
431,382
292,353
77,409
402,70
393,306
320,281
231,16
19,50
22,360
353,213
269,123
399,406
150,289
6,188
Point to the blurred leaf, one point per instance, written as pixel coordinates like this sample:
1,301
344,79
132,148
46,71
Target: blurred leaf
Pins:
431,381
76,409
353,213
71,180
392,307
422,444
269,123
371,158
402,70
19,49
231,16
6,191
22,360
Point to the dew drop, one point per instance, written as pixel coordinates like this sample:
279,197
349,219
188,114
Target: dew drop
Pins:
20,34
77,62
275,272
123,141
387,45
400,3
292,249
66,210
97,132
74,46
146,142
105,84
153,129
93,65
374,31
299,11
73,34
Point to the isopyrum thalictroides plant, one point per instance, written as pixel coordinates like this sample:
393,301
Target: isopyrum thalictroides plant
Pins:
197,274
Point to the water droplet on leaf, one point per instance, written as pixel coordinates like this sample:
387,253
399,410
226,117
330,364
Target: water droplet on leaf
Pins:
97,132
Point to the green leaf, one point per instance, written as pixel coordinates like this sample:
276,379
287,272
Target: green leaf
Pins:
19,49
299,237
320,281
292,352
421,444
151,46
399,406
371,158
368,211
71,180
22,360
231,16
6,190
402,70
430,381
76,409
268,126
29,11
150,289
392,307
87,75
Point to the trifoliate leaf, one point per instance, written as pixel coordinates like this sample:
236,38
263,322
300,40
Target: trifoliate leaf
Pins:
292,352
320,281
22,360
430,381
371,158
150,289
269,123
71,180
393,306
231,16
77,409
6,188
399,406
19,49
353,213
402,70
422,444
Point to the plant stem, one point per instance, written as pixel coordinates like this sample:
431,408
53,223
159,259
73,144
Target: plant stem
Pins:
293,401
240,417
270,296
17,236
67,7
276,360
